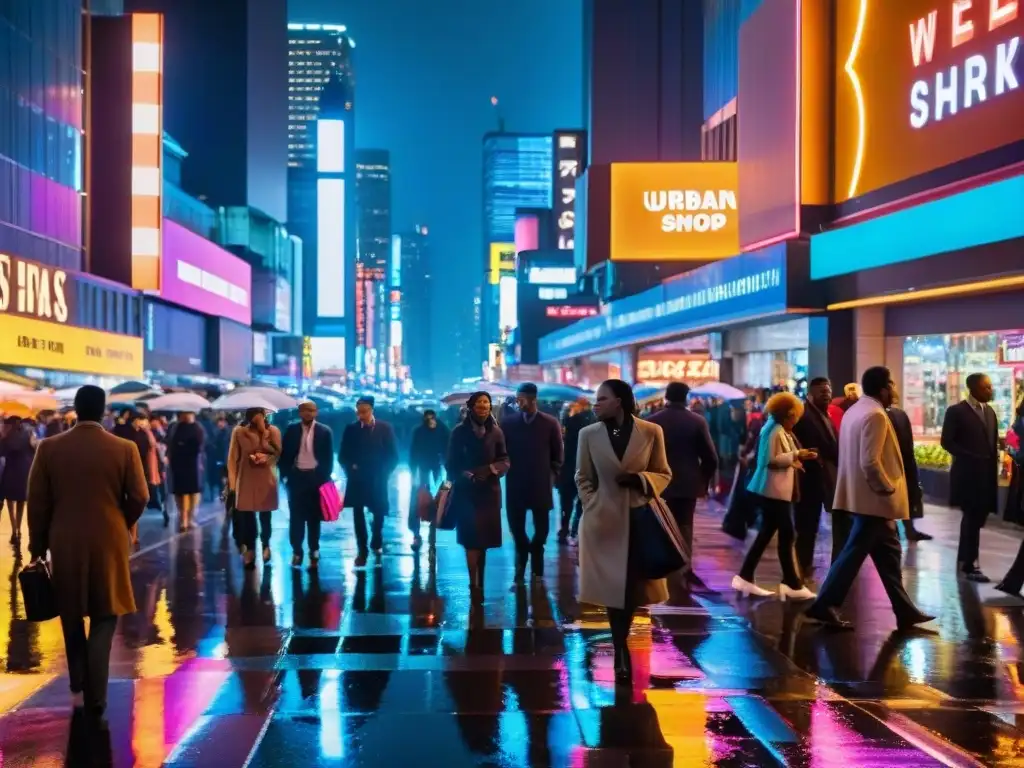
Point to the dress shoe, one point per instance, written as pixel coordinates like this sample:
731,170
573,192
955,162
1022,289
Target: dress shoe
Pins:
796,595
916,535
417,542
1002,586
749,589
360,561
297,560
314,559
975,575
910,622
827,617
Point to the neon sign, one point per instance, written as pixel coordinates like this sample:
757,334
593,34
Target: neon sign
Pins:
569,311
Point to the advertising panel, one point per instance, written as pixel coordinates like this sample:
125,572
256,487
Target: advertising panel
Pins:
749,286
234,350
28,289
29,343
200,275
330,250
922,84
692,369
147,149
175,341
503,261
674,211
569,164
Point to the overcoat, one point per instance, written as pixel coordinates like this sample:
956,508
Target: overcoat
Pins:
185,446
369,455
871,478
476,503
973,444
255,486
604,527
535,459
85,490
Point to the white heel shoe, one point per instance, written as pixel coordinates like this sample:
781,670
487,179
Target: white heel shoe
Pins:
749,589
788,593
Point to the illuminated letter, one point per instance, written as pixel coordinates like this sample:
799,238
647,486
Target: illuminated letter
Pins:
727,199
60,303
5,282
675,200
1001,12
962,30
922,38
693,200
717,221
654,201
945,94
975,72
919,104
1006,56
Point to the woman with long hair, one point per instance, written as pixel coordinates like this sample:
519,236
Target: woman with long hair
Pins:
774,485
252,477
476,462
621,467
17,449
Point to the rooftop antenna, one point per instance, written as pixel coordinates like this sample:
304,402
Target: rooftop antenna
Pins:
497,112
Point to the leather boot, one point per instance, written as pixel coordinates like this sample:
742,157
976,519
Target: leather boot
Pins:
521,559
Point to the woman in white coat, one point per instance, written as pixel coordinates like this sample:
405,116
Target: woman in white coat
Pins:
775,486
621,465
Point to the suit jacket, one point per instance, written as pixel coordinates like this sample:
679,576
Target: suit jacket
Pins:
871,478
86,489
818,480
368,455
535,455
974,478
323,451
690,451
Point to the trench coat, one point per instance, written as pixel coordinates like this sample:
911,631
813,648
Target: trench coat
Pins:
255,486
86,489
604,527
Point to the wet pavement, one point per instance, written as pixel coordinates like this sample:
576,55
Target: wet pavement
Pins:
387,666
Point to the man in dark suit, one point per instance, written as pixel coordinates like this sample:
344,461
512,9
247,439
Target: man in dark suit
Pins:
535,452
905,436
86,490
691,455
307,461
816,432
581,415
970,433
369,454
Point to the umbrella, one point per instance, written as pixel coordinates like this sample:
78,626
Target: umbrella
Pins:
14,408
178,402
561,392
243,401
34,401
496,391
720,390
127,398
275,397
127,387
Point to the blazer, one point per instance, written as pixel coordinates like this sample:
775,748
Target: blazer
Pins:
323,451
774,474
974,476
817,431
86,489
871,478
689,450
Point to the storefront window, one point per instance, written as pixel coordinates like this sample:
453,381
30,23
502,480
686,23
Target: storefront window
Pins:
935,371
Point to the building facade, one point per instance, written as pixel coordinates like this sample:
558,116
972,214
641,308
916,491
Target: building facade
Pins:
417,326
373,264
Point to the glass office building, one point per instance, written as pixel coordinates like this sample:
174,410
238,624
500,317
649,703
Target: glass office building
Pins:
41,131
517,174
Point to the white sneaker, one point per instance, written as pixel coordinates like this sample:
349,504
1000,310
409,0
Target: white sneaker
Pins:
749,589
788,593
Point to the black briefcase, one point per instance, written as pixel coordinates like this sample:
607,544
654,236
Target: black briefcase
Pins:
37,591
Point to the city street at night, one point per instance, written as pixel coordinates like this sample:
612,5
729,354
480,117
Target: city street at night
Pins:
383,666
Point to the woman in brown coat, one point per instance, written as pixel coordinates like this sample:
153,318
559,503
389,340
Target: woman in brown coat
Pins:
252,477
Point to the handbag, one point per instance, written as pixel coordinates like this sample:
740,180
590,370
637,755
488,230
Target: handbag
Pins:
425,505
443,509
656,545
37,591
331,502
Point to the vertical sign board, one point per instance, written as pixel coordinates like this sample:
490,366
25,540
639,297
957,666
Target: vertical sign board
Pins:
147,149
569,164
330,218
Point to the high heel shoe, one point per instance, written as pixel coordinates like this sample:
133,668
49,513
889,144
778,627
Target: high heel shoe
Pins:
796,595
749,589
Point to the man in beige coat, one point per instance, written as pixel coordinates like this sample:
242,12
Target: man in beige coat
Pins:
871,486
86,490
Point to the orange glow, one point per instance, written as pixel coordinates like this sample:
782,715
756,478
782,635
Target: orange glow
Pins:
674,211
964,289
815,89
146,211
1001,12
147,149
148,28
146,88
963,29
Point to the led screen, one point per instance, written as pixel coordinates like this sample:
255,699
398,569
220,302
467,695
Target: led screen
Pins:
330,256
330,146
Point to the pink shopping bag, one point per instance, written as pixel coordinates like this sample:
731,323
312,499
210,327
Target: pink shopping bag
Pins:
330,502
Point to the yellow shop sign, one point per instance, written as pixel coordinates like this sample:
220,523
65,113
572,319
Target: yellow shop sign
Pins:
29,343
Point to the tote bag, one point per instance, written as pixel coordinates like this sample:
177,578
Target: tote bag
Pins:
330,502
656,545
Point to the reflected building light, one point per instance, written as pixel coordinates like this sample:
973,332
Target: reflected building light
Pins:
332,745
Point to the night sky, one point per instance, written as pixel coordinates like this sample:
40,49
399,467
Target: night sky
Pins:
425,71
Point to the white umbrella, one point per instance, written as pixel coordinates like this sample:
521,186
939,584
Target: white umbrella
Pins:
178,402
275,397
720,390
131,397
242,401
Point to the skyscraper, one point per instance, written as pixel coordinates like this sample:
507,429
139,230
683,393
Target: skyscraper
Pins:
517,174
373,196
315,52
417,324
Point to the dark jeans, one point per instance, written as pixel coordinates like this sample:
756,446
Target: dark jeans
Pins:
572,509
377,528
1013,581
89,657
842,524
246,524
873,537
969,550
525,547
807,520
682,510
776,517
304,518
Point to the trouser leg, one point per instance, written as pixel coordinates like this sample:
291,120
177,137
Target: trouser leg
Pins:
296,516
807,520
101,639
848,564
75,651
968,551
541,529
517,526
683,510
377,521
785,542
314,521
769,524
359,524
265,528
887,555
842,524
1013,581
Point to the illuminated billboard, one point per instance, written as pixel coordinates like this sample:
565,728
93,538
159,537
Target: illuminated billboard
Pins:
330,146
551,276
147,149
330,253
922,84
674,211
503,261
569,164
202,276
